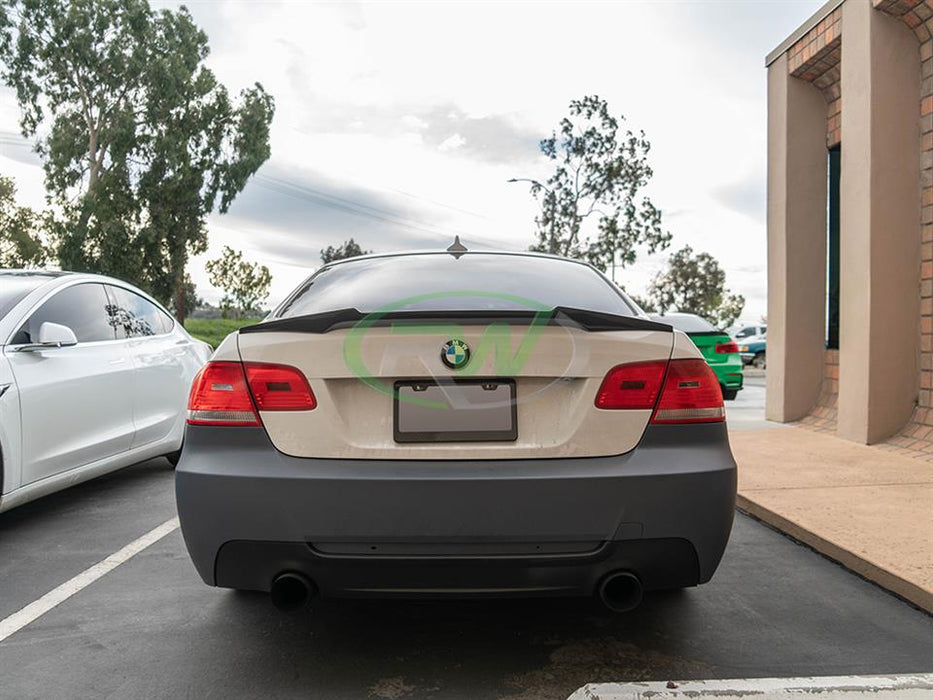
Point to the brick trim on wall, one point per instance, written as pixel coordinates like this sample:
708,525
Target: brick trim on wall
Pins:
917,435
823,416
816,57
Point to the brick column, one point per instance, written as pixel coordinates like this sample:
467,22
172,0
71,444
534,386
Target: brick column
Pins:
797,172
880,245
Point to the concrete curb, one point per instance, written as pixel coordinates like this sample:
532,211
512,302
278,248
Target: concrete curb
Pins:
905,687
911,592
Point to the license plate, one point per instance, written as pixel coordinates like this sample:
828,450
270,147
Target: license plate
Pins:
474,410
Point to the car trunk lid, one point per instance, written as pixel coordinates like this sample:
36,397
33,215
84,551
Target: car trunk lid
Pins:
364,371
708,342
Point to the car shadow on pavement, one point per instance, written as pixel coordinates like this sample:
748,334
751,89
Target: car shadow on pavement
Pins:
773,609
516,649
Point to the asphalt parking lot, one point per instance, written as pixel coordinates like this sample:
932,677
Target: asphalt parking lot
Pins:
150,628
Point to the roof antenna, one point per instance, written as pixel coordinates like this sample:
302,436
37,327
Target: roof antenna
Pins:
457,248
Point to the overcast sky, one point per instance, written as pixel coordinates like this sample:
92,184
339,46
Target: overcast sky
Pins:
399,123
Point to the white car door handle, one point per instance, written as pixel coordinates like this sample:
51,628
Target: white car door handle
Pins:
121,361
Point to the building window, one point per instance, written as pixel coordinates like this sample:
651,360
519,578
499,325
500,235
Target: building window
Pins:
832,249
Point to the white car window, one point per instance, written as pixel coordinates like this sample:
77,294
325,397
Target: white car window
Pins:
134,316
83,308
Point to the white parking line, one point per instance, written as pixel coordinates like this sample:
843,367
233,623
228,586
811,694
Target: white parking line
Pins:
56,596
904,687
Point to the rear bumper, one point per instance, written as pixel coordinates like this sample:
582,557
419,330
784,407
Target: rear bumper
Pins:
730,375
436,528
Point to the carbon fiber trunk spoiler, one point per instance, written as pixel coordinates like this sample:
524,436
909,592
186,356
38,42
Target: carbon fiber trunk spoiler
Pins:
593,321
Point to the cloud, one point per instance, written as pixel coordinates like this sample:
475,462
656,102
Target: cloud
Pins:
494,138
15,147
452,143
746,196
393,128
295,214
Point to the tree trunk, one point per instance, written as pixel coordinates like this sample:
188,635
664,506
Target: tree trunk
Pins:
180,311
178,260
75,259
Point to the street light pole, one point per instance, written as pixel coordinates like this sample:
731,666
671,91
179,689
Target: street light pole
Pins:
533,182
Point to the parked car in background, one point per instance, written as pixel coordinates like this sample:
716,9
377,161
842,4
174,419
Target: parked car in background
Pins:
94,375
745,332
752,351
369,439
718,349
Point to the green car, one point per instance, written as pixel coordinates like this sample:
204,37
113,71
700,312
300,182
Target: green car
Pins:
719,350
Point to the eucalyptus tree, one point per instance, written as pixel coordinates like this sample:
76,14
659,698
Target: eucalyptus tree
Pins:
21,239
139,140
695,284
599,174
348,249
246,284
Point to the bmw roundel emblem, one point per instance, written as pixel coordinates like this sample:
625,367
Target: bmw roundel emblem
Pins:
455,353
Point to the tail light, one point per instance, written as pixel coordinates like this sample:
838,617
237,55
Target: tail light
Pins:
727,348
232,393
679,391
691,394
279,388
633,386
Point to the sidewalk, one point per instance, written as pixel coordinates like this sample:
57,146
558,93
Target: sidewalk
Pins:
869,509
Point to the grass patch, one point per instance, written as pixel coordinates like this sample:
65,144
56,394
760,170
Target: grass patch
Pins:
214,330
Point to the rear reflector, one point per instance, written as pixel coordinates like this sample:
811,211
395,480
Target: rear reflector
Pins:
632,386
679,391
727,348
691,394
229,393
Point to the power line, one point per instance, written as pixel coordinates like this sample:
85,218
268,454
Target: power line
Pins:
348,206
353,207
437,204
310,194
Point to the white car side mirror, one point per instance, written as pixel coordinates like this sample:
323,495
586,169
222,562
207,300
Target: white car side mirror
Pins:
56,335
52,335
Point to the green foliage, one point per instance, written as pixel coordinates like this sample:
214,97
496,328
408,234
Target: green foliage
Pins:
138,139
246,284
695,284
348,249
214,330
646,304
21,241
598,175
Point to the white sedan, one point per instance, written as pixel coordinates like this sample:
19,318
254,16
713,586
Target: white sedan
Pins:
94,376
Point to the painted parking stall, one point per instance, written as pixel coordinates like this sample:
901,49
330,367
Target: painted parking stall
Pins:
775,609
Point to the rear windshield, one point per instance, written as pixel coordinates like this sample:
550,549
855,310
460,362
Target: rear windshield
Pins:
441,282
14,287
688,323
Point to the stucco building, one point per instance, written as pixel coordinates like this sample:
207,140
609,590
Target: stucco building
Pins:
850,223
